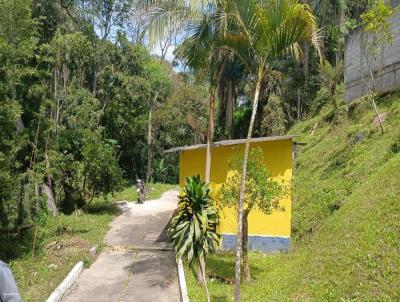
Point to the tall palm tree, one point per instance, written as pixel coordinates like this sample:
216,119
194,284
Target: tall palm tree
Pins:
196,19
228,88
258,33
263,33
199,51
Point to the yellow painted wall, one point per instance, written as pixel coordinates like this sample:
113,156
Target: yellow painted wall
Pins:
278,159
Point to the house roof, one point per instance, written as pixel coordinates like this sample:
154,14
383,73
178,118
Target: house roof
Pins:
231,142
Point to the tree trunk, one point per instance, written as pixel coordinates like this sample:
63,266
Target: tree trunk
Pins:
37,195
210,137
242,190
340,19
96,67
372,95
229,110
149,147
306,63
19,124
298,105
246,267
149,171
200,275
47,186
377,114
51,205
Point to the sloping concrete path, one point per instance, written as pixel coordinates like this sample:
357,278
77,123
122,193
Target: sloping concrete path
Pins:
138,264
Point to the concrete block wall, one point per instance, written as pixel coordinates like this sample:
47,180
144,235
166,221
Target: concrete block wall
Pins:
265,244
386,66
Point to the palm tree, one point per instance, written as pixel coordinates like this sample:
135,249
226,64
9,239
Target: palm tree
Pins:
163,17
263,33
196,18
199,51
258,34
228,89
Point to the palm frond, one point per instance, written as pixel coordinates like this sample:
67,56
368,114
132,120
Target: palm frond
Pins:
165,16
196,48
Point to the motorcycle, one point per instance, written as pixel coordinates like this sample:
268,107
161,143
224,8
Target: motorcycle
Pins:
141,191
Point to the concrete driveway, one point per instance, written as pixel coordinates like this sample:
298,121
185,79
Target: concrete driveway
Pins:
138,264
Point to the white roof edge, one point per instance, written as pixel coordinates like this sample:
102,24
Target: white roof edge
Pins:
232,142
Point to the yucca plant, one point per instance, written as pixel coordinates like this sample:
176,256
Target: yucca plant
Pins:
193,228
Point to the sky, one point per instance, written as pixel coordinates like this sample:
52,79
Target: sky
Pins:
170,55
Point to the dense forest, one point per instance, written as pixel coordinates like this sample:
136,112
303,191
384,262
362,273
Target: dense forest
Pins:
76,99
86,106
92,92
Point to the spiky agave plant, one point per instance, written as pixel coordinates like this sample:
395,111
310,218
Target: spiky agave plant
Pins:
193,228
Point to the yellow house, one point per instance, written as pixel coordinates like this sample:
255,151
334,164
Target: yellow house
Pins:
267,233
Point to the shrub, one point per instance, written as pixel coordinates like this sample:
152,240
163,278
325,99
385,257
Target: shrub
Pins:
193,229
262,192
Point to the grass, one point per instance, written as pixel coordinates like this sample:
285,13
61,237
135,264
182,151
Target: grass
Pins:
346,217
60,243
155,191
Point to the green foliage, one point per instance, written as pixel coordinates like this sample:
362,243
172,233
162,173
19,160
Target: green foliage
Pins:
241,119
346,191
100,169
376,25
274,120
160,170
83,165
73,107
178,120
193,228
155,191
262,191
375,22
18,41
9,113
331,76
40,268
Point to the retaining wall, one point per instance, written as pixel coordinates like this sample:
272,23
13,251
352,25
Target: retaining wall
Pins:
386,66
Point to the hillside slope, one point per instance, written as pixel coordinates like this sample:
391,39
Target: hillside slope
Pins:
346,215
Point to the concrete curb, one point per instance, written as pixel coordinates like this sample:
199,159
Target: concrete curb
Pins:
60,291
182,282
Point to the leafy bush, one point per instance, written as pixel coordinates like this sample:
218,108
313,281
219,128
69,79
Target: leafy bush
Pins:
262,192
193,229
84,165
274,121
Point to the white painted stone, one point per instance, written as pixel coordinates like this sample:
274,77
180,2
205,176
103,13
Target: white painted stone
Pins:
60,291
182,282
